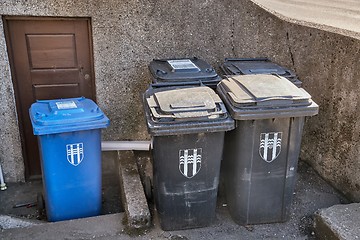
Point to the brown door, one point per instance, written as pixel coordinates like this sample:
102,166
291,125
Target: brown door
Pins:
50,58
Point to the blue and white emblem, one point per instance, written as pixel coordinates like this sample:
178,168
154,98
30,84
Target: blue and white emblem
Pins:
75,153
190,161
270,146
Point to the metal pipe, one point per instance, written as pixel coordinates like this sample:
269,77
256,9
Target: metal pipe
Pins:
2,182
125,145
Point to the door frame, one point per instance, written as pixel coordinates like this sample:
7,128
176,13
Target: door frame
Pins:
18,101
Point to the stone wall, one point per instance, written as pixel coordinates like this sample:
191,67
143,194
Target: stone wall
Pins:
328,64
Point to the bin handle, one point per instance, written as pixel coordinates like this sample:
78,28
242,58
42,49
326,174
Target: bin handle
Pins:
46,101
194,105
246,59
177,84
165,60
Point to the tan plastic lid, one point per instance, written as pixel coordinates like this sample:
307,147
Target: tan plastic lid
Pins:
264,90
191,102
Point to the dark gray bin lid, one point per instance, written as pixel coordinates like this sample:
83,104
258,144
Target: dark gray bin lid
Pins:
264,96
185,110
183,70
249,66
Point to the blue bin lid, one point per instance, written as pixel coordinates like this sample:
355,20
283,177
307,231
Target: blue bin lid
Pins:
66,115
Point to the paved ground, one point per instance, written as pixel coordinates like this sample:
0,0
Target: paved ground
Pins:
20,193
338,222
311,194
341,14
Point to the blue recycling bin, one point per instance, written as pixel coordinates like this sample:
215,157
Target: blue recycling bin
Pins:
69,136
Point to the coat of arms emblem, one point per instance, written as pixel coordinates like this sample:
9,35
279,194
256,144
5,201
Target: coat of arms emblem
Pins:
190,161
75,153
270,146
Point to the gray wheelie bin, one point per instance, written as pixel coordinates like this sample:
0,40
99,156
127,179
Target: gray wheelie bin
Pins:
188,126
261,153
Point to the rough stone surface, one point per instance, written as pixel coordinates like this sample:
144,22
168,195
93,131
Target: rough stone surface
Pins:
10,148
86,228
133,196
326,59
338,222
331,140
7,222
127,35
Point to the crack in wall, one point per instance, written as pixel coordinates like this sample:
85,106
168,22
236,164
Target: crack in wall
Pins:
232,28
290,50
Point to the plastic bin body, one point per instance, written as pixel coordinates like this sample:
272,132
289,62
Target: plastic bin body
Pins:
71,192
249,66
258,191
184,202
261,153
182,72
187,153
70,154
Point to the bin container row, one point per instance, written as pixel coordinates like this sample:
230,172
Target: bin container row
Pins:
261,107
260,150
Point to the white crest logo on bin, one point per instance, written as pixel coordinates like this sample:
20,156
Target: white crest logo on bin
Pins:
190,161
75,153
270,146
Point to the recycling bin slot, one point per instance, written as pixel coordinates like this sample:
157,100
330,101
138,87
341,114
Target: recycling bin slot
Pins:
69,137
261,153
187,150
249,66
183,71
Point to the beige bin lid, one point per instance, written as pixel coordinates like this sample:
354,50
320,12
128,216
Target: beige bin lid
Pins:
264,91
264,96
185,103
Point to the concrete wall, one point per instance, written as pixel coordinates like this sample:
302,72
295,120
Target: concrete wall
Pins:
127,35
10,148
331,73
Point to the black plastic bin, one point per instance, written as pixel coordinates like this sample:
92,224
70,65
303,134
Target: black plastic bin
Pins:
187,125
183,71
248,66
261,153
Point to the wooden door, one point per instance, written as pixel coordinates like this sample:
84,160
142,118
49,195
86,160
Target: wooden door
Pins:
50,58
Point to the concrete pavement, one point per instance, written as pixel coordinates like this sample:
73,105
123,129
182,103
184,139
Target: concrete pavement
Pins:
311,194
338,222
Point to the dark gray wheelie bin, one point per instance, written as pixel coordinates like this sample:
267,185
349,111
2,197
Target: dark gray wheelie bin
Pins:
249,66
188,126
261,153
183,71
